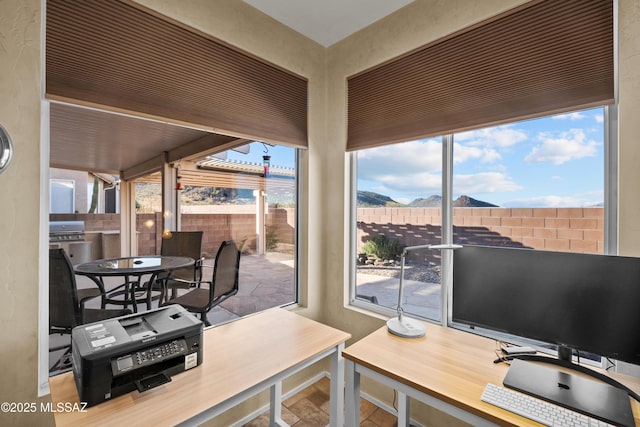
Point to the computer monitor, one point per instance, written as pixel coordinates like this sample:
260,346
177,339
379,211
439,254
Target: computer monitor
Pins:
586,302
580,302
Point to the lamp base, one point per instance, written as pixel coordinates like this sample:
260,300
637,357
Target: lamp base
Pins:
405,327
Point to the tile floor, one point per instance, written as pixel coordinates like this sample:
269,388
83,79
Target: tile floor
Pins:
310,408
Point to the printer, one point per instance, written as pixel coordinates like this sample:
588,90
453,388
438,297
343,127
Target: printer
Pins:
137,351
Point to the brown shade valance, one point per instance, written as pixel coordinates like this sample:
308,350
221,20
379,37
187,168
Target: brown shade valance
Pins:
543,58
114,54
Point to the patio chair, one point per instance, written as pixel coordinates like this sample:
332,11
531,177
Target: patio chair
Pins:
187,244
66,310
223,284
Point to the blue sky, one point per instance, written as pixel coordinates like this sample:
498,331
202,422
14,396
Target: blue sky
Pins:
555,161
280,155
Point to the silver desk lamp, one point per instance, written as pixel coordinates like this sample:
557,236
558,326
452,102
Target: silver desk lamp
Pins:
403,326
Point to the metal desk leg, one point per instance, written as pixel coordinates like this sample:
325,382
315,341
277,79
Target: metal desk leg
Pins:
275,400
336,413
353,395
403,410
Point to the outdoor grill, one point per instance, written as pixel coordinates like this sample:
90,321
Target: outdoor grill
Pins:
69,235
66,231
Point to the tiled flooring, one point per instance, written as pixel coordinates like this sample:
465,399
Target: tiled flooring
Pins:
310,408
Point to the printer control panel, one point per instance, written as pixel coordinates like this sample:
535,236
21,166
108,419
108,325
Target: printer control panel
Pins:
149,356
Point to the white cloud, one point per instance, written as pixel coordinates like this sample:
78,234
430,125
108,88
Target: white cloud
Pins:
400,159
551,201
599,118
498,136
463,153
569,116
570,145
483,183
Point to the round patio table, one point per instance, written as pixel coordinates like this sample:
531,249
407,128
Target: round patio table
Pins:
131,269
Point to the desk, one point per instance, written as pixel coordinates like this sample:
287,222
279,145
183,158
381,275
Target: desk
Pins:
446,369
240,359
128,267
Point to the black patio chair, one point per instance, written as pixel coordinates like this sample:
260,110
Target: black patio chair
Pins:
186,244
223,284
66,310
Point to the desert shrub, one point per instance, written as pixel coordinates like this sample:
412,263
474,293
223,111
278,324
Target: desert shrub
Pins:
271,235
382,247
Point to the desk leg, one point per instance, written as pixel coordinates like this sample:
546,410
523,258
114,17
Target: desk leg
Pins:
403,410
336,402
275,401
353,395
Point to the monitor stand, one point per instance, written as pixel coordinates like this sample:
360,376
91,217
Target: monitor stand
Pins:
589,397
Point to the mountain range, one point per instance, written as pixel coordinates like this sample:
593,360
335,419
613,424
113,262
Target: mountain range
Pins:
371,199
148,194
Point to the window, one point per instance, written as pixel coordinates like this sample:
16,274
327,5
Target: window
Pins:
249,195
399,194
63,193
538,184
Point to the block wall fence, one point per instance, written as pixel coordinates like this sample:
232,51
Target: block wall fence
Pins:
217,227
556,229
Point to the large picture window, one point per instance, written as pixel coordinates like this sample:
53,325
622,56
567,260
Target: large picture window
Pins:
537,184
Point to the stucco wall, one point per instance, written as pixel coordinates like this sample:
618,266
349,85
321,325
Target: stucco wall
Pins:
20,85
415,25
324,235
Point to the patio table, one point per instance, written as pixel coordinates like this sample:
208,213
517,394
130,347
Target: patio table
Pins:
131,269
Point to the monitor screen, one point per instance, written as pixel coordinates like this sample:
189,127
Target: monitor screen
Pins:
586,302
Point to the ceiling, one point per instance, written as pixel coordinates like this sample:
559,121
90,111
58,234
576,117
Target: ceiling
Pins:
327,21
100,141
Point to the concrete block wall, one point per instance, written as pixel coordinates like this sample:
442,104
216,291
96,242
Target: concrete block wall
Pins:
555,229
217,227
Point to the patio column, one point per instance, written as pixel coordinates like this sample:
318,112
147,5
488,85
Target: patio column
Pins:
128,236
261,243
170,207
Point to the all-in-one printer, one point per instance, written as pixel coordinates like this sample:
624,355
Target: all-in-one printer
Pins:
136,351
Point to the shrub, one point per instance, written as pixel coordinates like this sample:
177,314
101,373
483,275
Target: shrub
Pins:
271,235
382,247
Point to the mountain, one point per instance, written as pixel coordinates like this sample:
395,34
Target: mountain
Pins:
368,199
460,202
469,202
430,202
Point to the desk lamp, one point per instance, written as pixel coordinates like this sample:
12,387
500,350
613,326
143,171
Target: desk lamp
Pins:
403,326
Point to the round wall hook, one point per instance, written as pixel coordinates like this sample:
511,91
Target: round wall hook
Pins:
6,149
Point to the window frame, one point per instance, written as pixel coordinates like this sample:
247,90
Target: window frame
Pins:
610,211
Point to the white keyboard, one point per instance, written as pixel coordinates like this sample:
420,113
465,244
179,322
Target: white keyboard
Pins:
536,409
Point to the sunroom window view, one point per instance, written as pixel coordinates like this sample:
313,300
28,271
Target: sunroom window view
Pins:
535,184
247,195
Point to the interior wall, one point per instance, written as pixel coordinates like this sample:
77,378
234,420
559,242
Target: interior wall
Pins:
415,25
20,88
324,262
629,126
246,28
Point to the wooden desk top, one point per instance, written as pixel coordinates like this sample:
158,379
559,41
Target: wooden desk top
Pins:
451,365
237,356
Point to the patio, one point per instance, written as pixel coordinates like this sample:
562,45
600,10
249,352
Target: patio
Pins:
268,281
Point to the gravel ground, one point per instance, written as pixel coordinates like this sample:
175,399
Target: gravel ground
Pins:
420,273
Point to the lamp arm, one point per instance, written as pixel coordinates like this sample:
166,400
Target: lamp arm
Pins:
407,249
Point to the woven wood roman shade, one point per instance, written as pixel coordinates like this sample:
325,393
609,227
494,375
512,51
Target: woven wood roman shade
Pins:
546,57
115,54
